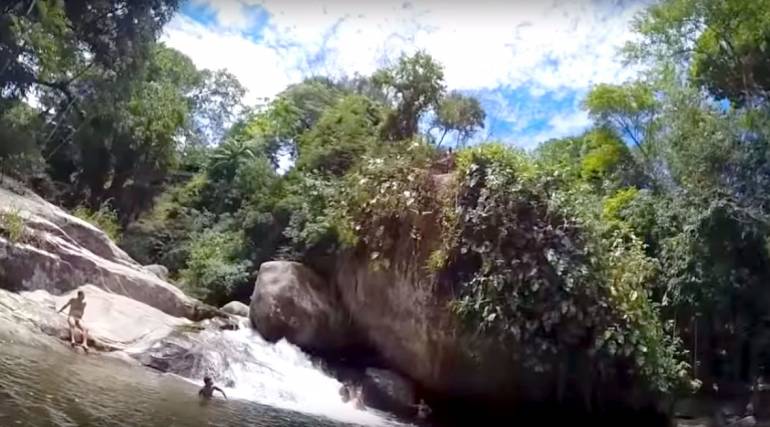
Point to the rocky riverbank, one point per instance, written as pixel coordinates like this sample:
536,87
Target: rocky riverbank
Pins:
49,255
133,313
387,332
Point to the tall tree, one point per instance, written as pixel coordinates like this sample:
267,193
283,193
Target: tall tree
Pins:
723,43
460,114
414,85
630,109
52,43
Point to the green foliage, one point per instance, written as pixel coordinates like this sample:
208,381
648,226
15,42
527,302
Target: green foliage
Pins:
105,219
280,124
414,85
613,205
162,235
722,43
629,109
46,42
509,158
12,226
605,154
19,129
544,282
313,224
382,195
213,269
460,114
637,330
341,136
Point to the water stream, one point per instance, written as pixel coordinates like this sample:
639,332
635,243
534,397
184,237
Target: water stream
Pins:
268,384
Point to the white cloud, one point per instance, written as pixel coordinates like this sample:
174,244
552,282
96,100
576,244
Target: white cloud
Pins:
547,44
559,126
554,46
264,71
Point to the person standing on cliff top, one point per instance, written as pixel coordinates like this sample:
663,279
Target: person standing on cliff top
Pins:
74,319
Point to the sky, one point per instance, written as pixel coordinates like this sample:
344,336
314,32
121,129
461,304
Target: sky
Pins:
530,63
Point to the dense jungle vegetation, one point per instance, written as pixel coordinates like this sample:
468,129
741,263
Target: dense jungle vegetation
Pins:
643,240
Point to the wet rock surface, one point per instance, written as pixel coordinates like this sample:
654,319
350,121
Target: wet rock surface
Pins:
388,391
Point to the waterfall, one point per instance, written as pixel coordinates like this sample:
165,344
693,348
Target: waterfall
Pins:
280,374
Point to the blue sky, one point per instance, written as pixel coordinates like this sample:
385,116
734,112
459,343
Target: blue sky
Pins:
529,62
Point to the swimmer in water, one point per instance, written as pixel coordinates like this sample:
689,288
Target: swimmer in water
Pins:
207,392
74,319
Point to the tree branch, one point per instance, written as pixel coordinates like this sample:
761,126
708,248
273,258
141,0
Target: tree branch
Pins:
64,88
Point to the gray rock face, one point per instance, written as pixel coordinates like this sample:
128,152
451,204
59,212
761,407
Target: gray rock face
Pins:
290,301
160,271
114,322
388,391
236,308
59,253
404,314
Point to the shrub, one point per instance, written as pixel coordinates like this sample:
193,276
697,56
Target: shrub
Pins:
384,193
213,268
530,272
12,226
105,218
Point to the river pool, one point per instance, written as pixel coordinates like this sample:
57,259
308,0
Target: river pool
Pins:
45,387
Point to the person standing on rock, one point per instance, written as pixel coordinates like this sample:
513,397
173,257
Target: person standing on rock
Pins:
74,319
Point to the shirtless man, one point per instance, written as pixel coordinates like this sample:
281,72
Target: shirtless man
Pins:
77,308
209,388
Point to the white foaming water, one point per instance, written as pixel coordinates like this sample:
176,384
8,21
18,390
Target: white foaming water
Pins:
280,375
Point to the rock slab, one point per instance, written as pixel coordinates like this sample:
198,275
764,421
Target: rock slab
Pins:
58,253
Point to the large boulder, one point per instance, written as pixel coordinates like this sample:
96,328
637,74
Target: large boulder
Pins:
192,352
290,301
404,313
388,391
58,253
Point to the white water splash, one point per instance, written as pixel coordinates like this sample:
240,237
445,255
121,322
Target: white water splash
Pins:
281,375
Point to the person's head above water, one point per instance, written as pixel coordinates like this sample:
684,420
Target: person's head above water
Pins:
207,380
81,295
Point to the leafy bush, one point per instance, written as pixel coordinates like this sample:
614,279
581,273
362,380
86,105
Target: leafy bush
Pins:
545,283
379,197
162,235
313,225
341,137
213,268
12,226
105,218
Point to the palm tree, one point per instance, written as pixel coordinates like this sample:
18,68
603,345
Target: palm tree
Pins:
229,156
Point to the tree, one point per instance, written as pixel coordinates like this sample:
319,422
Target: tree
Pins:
279,125
216,104
723,43
459,113
341,136
630,109
20,126
413,86
52,43
122,143
228,157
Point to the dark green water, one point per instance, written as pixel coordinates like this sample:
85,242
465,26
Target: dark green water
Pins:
61,388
